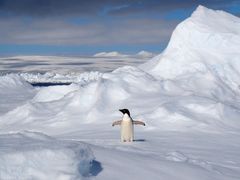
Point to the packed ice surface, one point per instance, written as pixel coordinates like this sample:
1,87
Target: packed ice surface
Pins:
188,96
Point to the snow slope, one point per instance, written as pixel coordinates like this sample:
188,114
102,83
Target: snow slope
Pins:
202,58
14,91
208,40
188,96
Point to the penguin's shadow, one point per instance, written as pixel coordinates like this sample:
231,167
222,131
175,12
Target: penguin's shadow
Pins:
139,140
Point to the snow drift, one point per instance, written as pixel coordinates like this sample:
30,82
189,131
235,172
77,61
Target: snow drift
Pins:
31,155
14,91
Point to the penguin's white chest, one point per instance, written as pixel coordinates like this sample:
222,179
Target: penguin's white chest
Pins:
127,130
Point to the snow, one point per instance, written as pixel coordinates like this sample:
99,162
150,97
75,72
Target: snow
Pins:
189,97
109,54
72,77
31,155
14,91
207,41
145,54
114,54
53,93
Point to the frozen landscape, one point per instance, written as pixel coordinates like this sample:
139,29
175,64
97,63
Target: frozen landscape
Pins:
189,97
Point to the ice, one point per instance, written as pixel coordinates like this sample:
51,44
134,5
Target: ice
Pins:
53,77
189,97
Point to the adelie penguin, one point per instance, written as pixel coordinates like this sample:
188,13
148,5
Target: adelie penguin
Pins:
127,124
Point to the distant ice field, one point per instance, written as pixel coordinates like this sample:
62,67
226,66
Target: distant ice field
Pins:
63,64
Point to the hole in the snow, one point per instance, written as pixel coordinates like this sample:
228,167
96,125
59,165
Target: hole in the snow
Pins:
95,168
92,169
45,84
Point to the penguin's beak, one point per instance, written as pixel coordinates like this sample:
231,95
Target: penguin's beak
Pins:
121,110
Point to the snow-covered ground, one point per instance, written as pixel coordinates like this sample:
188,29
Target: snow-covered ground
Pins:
189,97
29,155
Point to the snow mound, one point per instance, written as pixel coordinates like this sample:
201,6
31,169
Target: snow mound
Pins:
207,41
12,82
109,54
53,93
14,91
69,106
145,54
208,30
31,155
202,58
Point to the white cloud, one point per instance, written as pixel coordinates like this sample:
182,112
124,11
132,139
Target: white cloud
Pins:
54,31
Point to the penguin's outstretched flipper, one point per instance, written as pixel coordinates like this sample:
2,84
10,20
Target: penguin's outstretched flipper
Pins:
117,123
139,123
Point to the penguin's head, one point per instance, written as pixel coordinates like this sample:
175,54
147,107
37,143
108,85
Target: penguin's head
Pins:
125,111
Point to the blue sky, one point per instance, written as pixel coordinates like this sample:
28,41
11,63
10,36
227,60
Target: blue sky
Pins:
76,27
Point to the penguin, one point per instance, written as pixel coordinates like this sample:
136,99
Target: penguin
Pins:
127,123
